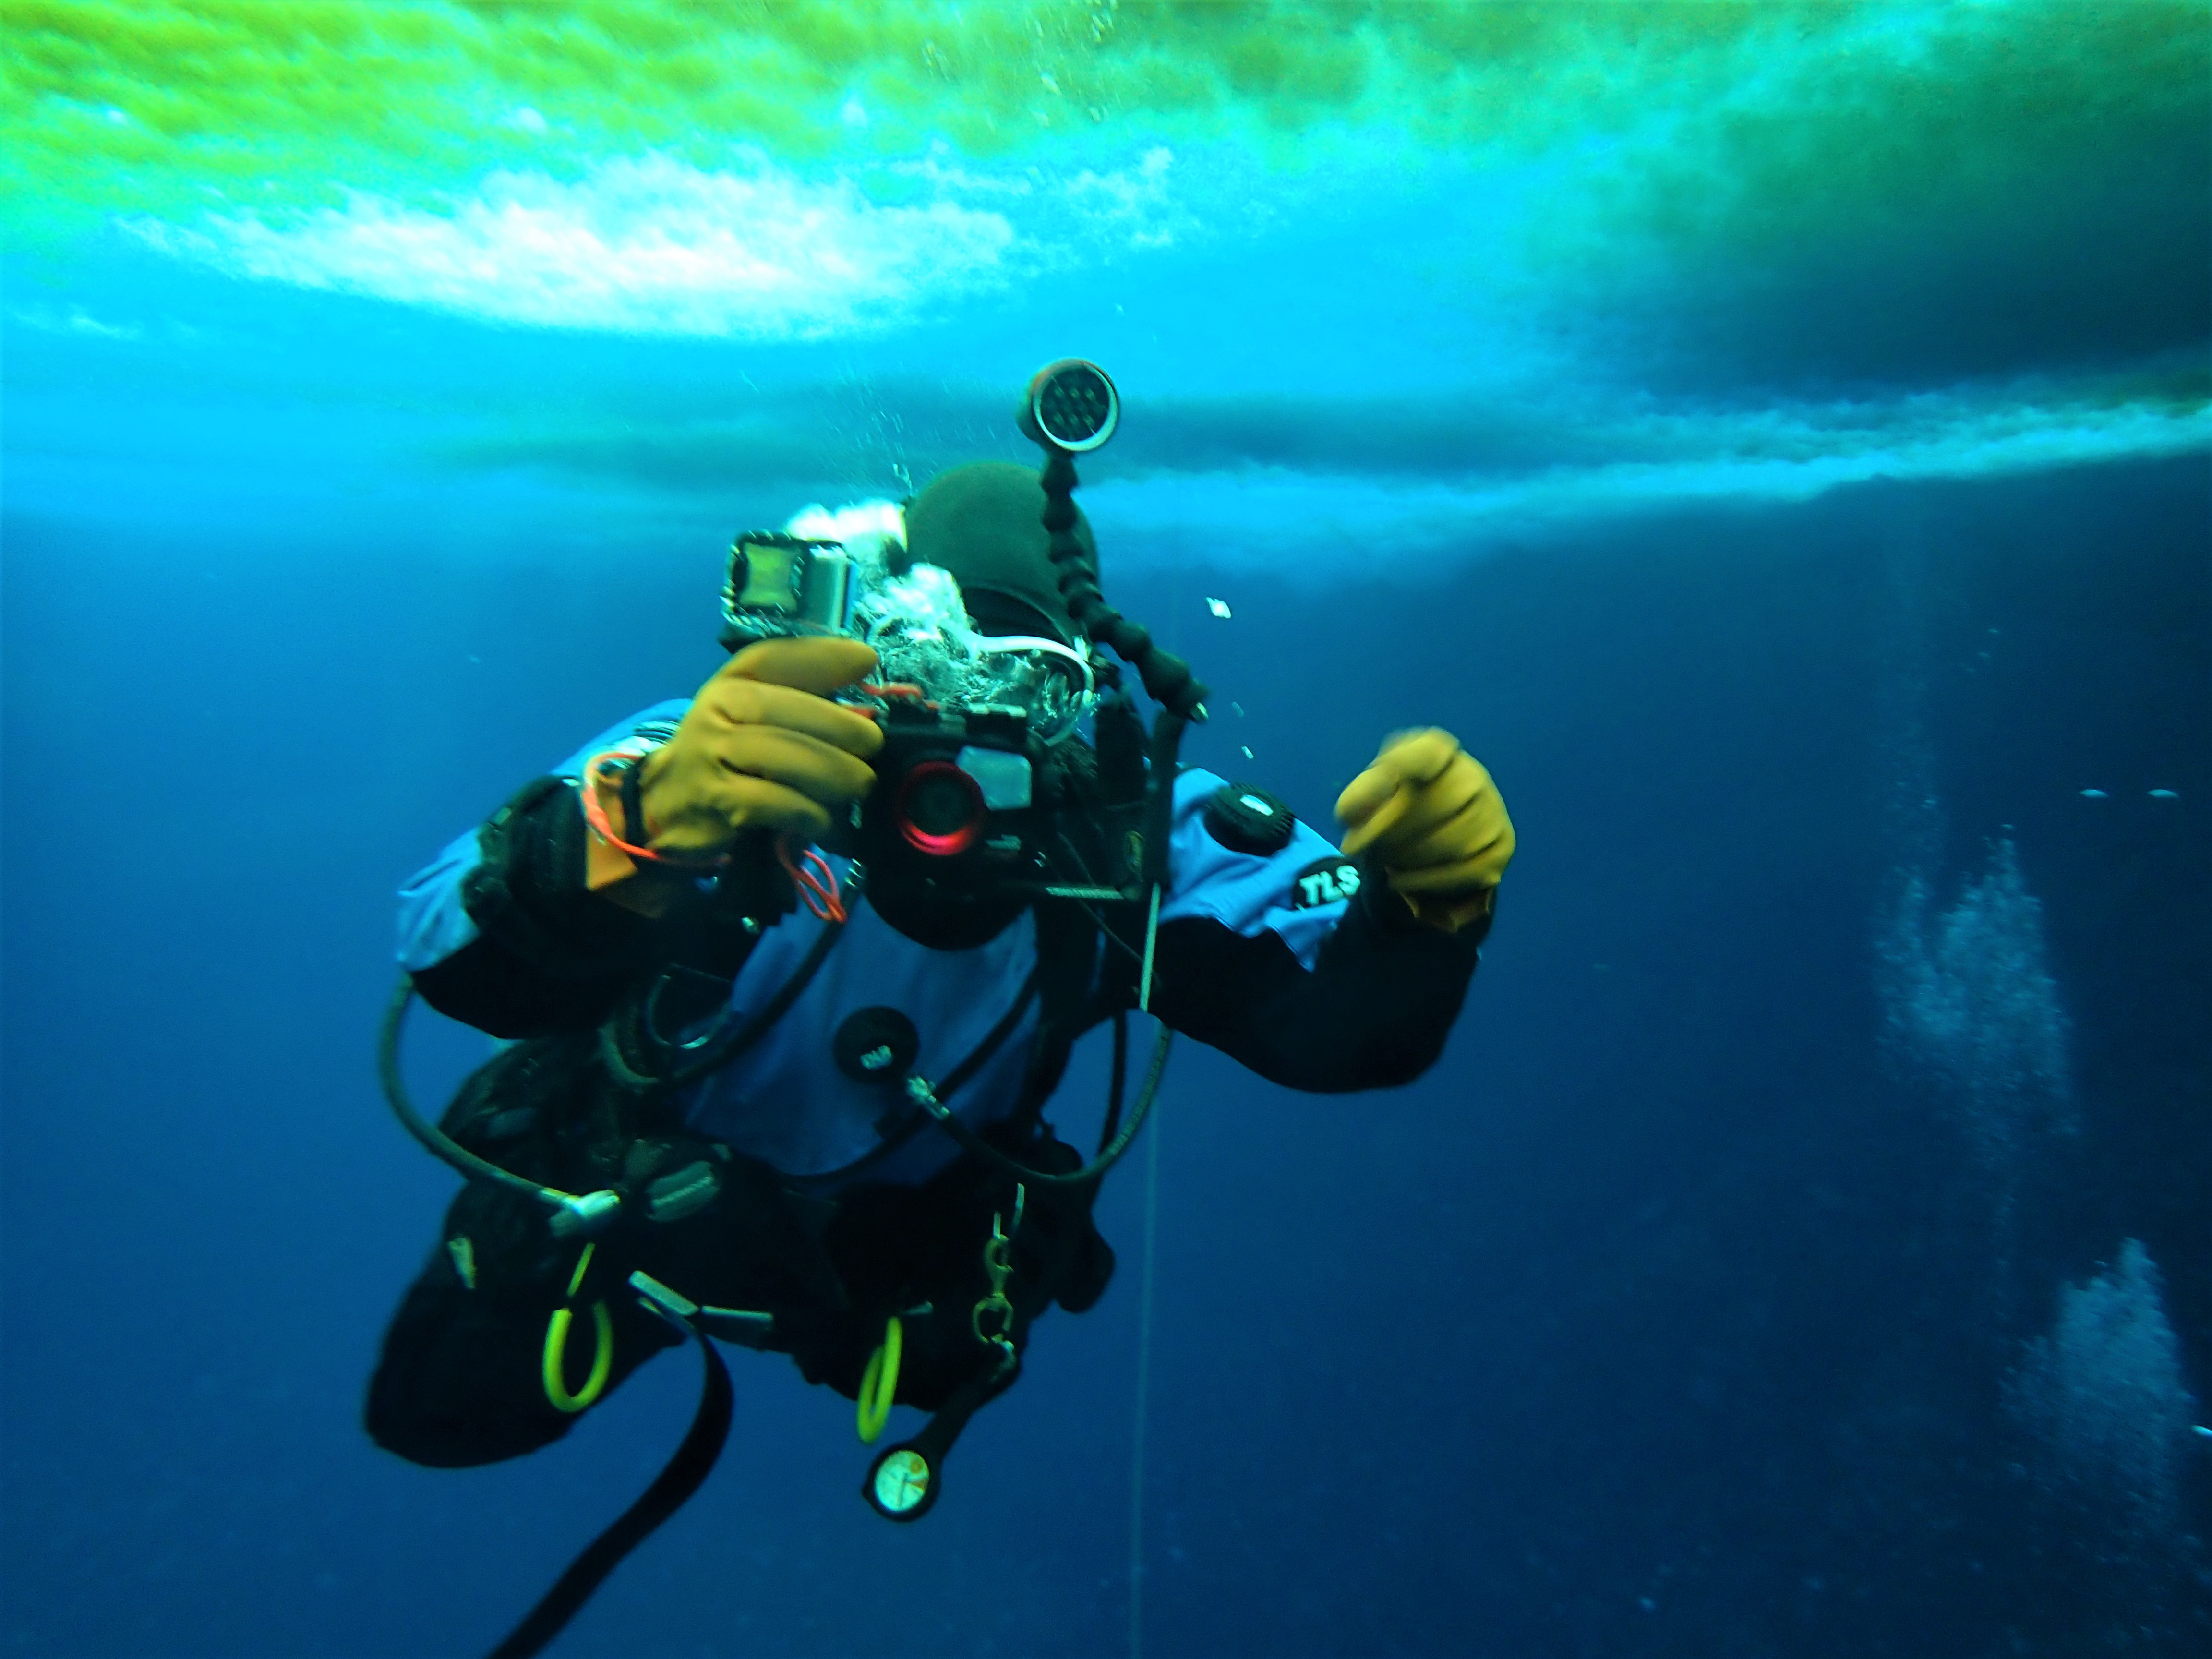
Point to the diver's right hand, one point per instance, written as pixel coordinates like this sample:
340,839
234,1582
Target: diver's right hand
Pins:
762,748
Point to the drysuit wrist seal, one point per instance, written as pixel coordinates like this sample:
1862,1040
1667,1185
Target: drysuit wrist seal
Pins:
528,894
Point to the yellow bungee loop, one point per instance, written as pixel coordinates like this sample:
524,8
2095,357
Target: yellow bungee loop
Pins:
879,1383
554,1364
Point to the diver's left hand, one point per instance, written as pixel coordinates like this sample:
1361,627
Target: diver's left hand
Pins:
1428,814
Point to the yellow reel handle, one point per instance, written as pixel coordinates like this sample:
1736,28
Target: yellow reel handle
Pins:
879,1384
556,1353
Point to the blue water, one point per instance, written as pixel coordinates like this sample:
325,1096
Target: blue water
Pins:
1686,1307
1801,1251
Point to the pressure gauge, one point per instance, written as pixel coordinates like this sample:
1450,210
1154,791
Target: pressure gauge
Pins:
901,1484
1070,405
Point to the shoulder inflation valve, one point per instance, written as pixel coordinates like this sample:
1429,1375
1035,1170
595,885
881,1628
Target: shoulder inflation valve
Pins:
1247,820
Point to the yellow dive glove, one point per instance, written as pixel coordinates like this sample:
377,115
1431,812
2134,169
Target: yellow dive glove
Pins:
1428,815
761,747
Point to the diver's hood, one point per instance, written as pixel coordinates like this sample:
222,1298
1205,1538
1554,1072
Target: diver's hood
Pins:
982,522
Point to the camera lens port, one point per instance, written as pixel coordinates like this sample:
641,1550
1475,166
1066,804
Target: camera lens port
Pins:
939,810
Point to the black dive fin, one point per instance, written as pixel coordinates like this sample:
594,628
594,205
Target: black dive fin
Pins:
693,1462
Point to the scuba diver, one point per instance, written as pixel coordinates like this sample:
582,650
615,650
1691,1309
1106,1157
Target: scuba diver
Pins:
787,974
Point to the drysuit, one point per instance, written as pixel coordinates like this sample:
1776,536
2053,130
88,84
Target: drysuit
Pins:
829,1200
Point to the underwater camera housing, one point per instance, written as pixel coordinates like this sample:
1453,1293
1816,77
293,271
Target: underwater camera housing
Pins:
780,585
971,769
956,833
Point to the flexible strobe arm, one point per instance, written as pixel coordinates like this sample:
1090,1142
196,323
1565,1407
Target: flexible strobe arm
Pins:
1168,680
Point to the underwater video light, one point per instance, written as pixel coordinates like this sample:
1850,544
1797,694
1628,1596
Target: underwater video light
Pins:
1070,406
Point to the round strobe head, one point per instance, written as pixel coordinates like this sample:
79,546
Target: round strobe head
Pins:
1070,405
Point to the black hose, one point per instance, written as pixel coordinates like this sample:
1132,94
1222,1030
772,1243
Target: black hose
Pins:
725,1045
671,1488
439,1142
1108,1156
895,1139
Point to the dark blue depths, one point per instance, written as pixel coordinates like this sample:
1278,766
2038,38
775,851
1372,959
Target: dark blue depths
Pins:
1665,1316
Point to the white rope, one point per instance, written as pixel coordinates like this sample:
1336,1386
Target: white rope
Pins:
1144,1389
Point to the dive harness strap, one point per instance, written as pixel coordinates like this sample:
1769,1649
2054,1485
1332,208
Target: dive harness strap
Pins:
1167,739
671,1488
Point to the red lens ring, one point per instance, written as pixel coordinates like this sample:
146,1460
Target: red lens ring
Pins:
956,841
